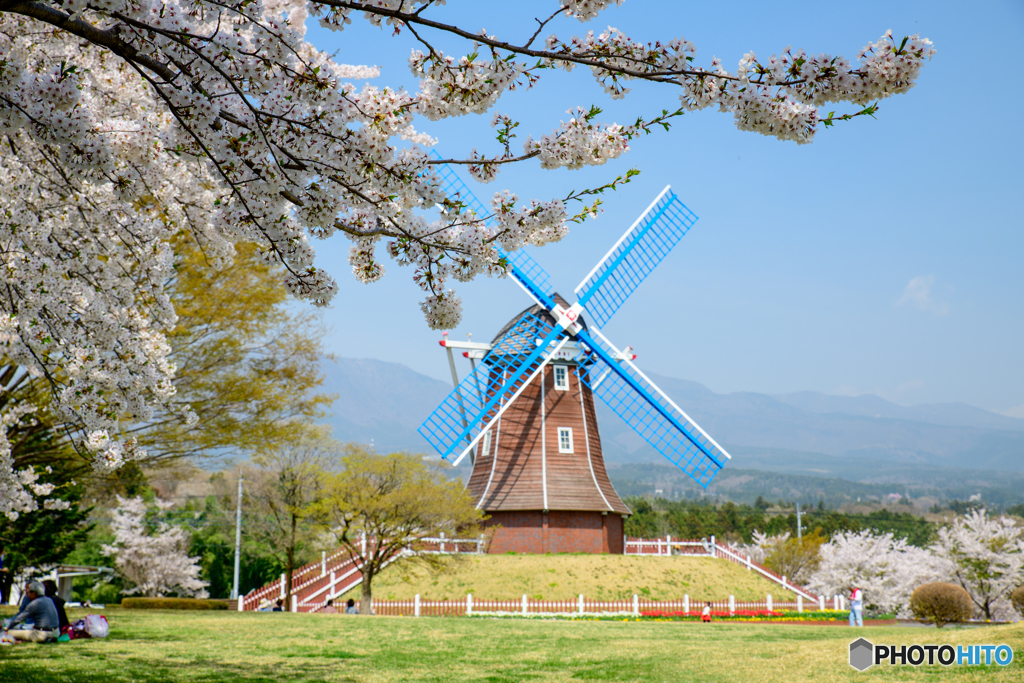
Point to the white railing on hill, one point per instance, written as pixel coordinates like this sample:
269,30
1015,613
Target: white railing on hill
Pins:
337,573
581,606
709,548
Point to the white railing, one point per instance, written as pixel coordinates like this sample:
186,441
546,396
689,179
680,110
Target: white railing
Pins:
710,548
337,573
580,606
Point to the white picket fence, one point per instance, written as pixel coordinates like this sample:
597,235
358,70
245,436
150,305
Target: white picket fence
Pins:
581,606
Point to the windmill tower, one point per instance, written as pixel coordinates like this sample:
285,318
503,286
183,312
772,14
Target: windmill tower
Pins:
525,415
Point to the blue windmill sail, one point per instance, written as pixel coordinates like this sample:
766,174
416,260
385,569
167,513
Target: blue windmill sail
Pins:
504,371
645,408
527,272
459,421
638,252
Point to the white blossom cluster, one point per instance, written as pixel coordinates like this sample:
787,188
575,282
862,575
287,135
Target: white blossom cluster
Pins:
20,490
132,121
779,98
886,569
579,142
154,561
981,553
986,555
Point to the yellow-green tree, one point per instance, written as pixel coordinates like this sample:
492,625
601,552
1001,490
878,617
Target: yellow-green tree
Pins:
796,558
377,507
247,360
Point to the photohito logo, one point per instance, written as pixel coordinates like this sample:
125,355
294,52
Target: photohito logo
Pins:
864,654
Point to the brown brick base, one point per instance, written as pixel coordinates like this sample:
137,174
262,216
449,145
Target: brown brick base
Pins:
534,531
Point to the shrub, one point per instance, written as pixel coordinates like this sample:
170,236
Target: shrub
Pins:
1017,600
173,603
941,603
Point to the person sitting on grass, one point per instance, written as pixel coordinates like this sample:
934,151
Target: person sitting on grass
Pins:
39,621
330,608
50,586
278,606
706,614
350,607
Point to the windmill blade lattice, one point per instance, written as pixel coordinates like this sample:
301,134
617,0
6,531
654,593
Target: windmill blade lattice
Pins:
504,372
647,242
608,373
536,280
651,414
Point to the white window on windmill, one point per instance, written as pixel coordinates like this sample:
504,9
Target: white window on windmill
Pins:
485,444
565,440
562,377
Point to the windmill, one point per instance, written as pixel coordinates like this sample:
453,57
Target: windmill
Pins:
525,414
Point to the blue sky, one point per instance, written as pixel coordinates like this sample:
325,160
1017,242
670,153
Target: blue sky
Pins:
884,258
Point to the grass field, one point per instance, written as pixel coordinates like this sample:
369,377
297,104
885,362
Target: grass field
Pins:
563,577
222,647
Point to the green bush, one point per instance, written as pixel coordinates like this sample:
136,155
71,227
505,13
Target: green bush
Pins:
1017,599
941,603
173,603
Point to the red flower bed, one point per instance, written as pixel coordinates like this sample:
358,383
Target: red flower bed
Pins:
737,613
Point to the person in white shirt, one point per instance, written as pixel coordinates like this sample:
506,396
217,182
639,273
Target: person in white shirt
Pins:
706,614
856,606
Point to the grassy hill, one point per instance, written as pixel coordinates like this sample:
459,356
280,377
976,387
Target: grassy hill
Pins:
563,577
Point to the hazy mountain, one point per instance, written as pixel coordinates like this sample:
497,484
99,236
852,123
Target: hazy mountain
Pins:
381,402
807,432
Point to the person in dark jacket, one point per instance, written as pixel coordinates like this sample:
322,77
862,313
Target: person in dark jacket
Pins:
40,612
6,577
50,586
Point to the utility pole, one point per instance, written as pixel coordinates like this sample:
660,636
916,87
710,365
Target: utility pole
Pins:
799,529
238,539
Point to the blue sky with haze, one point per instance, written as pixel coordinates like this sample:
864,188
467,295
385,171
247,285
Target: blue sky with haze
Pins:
885,257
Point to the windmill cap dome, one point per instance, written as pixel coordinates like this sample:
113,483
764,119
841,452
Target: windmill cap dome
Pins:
540,312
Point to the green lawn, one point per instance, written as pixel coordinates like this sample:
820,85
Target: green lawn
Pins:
216,647
563,577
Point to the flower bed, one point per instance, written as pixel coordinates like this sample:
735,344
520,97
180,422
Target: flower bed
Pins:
751,615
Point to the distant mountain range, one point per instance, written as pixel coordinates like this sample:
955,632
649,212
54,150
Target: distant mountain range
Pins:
863,438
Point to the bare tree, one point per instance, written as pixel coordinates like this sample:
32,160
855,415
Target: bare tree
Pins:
285,483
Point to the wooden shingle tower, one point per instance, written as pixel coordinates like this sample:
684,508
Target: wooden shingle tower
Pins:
525,414
539,472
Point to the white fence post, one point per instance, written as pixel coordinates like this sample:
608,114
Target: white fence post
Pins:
469,605
732,605
416,605
282,586
784,582
442,543
295,603
323,563
821,602
363,543
748,563
668,544
769,602
241,602
686,603
712,545
334,581
581,604
842,602
835,602
799,603
524,604
636,605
